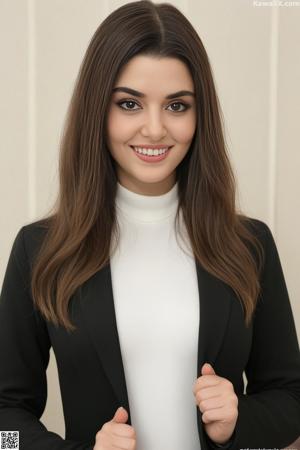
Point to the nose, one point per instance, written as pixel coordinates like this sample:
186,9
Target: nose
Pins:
153,126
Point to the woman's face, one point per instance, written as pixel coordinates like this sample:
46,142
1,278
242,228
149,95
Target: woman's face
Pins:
151,119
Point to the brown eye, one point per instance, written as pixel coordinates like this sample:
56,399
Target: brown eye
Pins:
181,104
130,103
127,102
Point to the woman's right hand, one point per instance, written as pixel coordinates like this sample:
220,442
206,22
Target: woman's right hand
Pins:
116,434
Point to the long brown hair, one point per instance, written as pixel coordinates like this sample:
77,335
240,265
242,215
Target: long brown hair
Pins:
82,222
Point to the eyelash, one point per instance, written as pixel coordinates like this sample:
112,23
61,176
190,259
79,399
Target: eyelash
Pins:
133,101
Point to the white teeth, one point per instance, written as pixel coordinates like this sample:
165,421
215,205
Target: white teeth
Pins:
150,151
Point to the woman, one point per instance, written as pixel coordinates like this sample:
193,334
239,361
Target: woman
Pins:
146,186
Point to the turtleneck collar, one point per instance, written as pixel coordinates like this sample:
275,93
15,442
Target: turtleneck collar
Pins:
147,208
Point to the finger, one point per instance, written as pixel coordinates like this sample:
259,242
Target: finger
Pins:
121,442
123,430
208,392
222,414
206,381
207,369
212,403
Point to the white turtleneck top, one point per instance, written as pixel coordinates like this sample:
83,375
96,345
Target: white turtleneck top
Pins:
156,301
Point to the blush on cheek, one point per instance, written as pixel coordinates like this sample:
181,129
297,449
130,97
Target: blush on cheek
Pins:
184,131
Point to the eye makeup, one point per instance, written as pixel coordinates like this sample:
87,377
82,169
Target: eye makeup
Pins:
181,103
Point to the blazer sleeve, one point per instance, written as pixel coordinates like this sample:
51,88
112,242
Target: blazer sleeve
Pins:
24,356
269,412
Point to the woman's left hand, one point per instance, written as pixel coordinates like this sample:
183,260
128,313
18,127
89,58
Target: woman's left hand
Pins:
218,402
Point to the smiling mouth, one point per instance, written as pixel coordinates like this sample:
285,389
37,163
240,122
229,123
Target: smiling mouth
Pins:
153,147
151,151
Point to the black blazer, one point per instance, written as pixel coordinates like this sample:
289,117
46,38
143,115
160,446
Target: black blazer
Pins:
89,361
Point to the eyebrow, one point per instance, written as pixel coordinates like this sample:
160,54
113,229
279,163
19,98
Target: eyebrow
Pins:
140,94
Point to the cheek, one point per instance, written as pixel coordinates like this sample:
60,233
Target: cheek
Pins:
118,128
184,130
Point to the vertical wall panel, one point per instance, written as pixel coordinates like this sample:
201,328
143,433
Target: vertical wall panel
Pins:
288,150
236,36
13,122
63,31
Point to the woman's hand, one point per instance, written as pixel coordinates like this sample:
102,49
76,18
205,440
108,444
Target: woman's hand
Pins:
218,402
116,434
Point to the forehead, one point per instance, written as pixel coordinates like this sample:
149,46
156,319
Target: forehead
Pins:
151,74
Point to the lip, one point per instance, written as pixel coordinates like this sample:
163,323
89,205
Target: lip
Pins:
152,159
157,147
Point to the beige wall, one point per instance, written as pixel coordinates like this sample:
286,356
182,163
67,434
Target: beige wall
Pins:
255,58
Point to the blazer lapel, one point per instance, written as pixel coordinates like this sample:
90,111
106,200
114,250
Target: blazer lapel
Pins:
96,301
215,307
